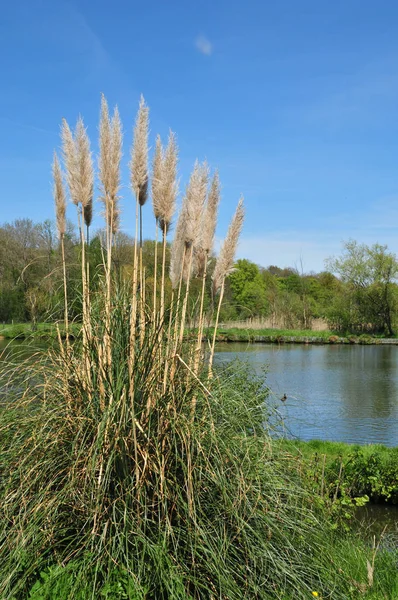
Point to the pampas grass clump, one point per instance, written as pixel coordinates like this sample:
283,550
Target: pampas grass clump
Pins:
126,471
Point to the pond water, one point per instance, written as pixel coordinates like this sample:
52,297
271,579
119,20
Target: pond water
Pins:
336,393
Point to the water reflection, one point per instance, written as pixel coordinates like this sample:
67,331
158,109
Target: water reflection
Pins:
12,354
379,521
342,393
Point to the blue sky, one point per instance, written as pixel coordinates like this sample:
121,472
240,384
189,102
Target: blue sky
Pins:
296,103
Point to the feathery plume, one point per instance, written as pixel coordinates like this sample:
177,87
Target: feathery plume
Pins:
139,154
59,196
208,226
225,262
195,197
110,142
164,181
70,161
85,164
116,157
170,185
105,141
210,215
157,178
78,163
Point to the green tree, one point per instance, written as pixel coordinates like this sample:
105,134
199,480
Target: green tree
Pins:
370,273
248,288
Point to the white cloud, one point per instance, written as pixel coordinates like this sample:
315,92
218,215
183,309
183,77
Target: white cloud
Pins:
204,45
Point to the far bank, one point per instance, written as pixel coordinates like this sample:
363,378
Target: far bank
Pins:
20,331
286,336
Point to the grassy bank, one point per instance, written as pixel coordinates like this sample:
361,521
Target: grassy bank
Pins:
21,331
24,330
281,336
347,471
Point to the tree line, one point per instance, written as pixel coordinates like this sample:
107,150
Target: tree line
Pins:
357,292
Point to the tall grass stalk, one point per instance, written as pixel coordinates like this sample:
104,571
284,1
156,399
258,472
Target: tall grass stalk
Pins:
224,266
195,199
167,205
157,194
110,144
205,247
60,211
155,273
139,183
80,178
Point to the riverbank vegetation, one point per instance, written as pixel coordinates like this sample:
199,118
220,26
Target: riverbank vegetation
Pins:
51,331
281,336
345,476
358,294
46,330
132,468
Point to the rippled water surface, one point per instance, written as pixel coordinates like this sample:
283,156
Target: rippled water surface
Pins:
338,393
